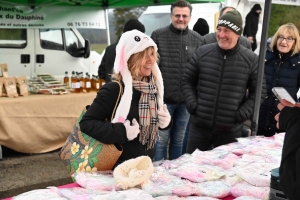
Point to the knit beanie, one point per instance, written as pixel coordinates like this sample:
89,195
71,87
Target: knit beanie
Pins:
232,20
134,24
201,26
133,172
132,42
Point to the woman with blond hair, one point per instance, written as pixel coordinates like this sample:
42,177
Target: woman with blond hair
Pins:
140,111
282,69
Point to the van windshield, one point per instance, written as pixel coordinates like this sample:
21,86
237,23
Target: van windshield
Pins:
154,21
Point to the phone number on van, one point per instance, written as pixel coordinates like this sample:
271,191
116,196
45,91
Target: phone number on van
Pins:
83,24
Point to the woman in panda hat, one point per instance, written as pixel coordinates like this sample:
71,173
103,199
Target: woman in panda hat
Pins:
141,110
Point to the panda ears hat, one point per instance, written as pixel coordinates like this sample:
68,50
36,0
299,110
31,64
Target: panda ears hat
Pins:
132,42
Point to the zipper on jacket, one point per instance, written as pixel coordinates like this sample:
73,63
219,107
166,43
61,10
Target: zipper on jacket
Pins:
181,66
186,52
279,64
218,96
272,100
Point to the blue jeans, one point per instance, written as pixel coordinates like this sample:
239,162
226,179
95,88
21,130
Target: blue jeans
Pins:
175,134
186,136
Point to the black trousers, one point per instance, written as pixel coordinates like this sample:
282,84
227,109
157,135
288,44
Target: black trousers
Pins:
254,44
204,139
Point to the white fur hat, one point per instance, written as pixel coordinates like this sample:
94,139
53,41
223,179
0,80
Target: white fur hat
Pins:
132,42
133,172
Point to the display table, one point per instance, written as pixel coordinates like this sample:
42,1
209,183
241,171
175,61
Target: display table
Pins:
40,123
242,168
72,185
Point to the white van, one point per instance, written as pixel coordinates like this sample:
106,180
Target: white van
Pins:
46,51
156,17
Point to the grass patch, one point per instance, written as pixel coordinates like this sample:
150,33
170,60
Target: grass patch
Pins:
98,47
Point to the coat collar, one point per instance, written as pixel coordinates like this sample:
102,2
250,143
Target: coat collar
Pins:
232,51
282,56
177,31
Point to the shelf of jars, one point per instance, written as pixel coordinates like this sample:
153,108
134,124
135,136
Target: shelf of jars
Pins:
76,83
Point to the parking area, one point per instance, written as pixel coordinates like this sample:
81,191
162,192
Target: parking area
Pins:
20,172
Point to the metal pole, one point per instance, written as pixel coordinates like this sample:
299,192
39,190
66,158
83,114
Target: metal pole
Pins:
0,153
261,65
107,26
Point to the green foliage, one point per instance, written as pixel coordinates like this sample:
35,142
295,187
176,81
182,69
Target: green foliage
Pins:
122,15
282,14
12,34
94,35
98,47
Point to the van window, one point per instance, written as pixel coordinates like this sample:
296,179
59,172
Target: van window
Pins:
150,21
13,38
72,42
51,39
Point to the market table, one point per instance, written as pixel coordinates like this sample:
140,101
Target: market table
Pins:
72,185
242,168
40,123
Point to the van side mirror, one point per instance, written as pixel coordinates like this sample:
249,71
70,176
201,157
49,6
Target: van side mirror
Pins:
80,52
87,49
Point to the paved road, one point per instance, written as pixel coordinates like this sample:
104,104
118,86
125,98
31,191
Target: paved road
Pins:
20,173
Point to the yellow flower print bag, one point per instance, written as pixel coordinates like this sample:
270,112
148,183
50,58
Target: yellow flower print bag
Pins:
84,153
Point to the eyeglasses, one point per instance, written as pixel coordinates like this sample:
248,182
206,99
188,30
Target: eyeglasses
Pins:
177,16
288,39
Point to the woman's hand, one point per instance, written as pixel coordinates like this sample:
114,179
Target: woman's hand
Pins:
133,130
281,105
250,38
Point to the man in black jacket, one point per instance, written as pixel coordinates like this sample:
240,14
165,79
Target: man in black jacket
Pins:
211,37
176,45
214,85
108,60
251,25
289,120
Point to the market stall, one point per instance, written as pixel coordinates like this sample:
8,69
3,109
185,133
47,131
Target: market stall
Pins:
39,123
240,170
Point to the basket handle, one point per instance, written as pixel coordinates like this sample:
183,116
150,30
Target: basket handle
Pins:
119,96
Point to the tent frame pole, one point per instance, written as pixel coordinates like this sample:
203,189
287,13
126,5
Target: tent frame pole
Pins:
261,65
107,26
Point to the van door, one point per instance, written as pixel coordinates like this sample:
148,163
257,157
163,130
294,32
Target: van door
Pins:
17,51
57,51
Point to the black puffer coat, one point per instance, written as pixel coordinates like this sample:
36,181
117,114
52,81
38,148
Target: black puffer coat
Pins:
281,70
214,85
175,48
